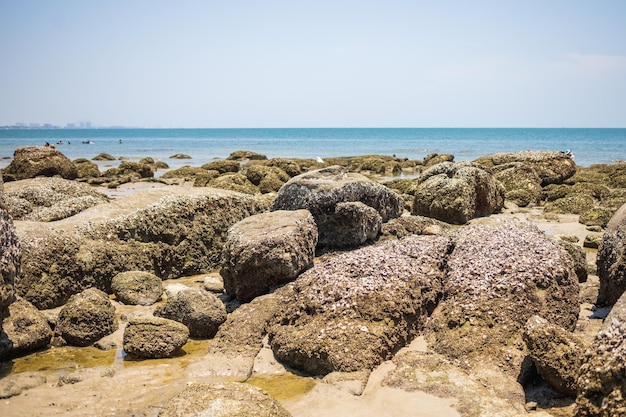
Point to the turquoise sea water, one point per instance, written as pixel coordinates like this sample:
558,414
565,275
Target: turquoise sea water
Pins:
590,146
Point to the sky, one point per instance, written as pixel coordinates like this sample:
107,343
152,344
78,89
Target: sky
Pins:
319,63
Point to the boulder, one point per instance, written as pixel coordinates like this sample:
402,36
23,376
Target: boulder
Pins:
154,337
222,166
457,193
353,311
611,260
243,155
501,273
61,264
267,178
137,288
104,157
521,183
413,225
320,192
602,377
10,261
579,259
434,159
50,199
223,399
24,330
267,250
234,181
199,310
552,167
36,161
556,352
86,169
86,318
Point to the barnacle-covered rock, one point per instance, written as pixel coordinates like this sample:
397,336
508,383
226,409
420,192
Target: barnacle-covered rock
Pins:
199,310
137,288
321,191
154,337
249,155
521,182
500,274
24,330
457,193
50,199
353,311
552,167
611,260
10,260
602,376
86,318
35,161
267,250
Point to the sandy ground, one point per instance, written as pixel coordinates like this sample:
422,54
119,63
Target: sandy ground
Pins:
103,383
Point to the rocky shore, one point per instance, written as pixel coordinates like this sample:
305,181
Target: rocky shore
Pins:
366,286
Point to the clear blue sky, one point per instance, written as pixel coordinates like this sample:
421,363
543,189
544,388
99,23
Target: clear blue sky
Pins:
391,63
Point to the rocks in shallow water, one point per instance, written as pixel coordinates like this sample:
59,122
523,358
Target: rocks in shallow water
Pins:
353,311
321,191
556,352
499,275
602,377
86,317
457,193
35,161
199,310
137,288
611,260
225,399
154,337
24,330
267,250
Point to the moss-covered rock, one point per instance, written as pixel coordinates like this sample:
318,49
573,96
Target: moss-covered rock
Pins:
222,166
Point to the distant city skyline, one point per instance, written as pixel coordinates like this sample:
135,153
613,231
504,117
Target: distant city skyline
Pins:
343,63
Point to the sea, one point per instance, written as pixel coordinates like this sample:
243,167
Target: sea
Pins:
589,145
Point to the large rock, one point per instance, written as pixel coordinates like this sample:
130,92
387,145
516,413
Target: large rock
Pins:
199,310
556,352
320,192
457,193
602,377
355,310
521,183
36,161
154,337
86,318
611,260
501,273
178,235
267,250
24,330
61,264
50,199
552,167
224,399
137,288
10,261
